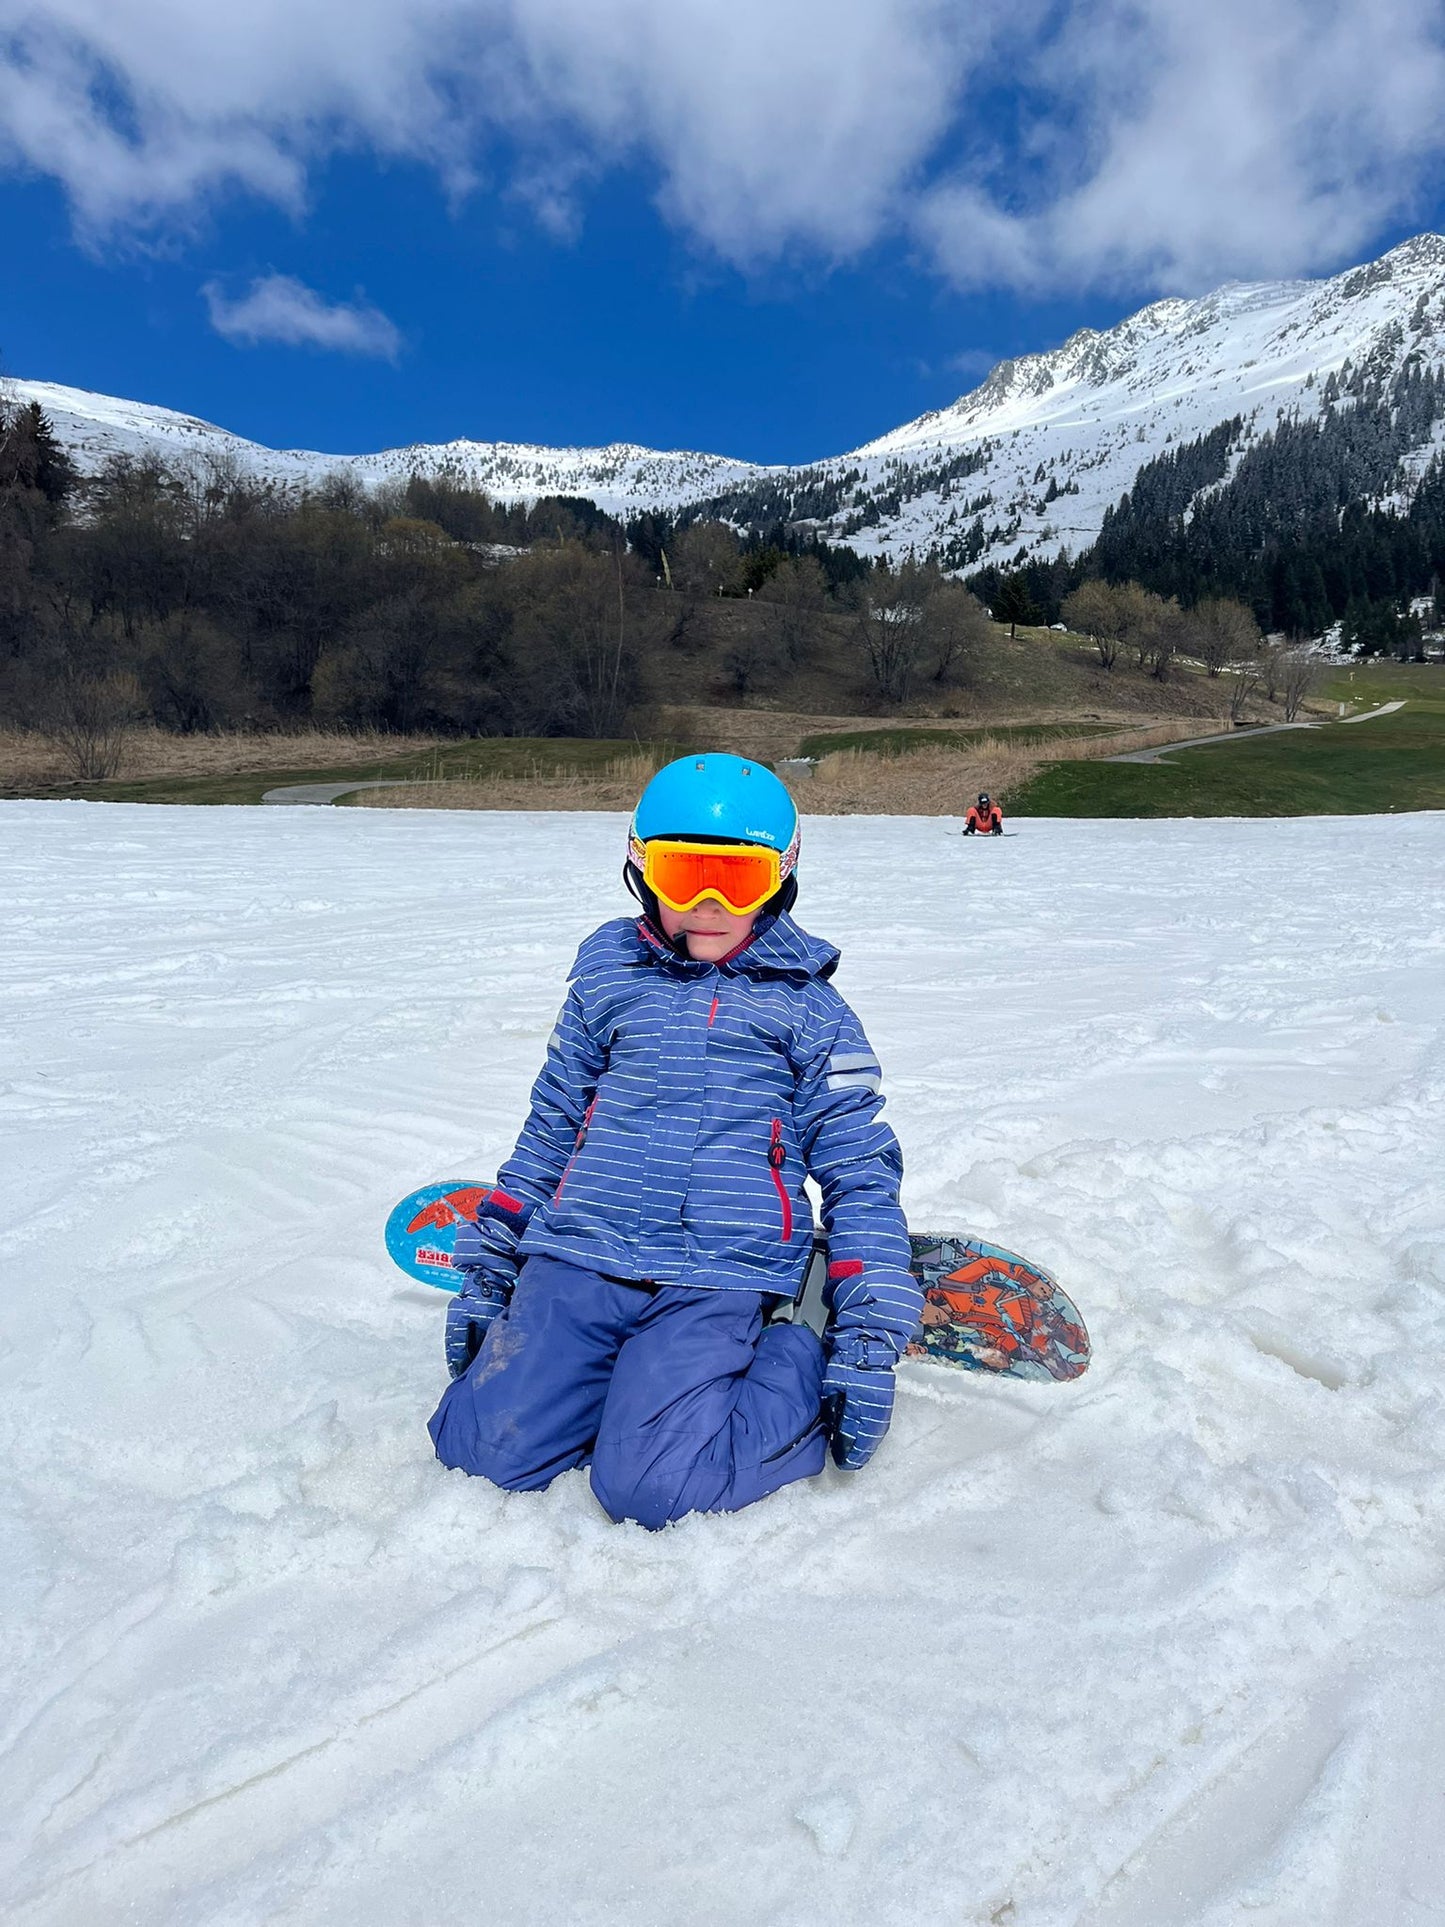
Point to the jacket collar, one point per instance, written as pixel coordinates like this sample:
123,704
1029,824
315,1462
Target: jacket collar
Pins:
778,947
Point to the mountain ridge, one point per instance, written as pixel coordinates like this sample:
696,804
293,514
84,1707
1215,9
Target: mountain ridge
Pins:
1022,467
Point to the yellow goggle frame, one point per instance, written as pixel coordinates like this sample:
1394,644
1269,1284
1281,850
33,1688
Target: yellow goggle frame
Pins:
742,876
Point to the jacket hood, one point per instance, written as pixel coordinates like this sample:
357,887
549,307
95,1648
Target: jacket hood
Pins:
778,947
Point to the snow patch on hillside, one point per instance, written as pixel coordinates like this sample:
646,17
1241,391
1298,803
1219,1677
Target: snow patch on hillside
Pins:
1160,1647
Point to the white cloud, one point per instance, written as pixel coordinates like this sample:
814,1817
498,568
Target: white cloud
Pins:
1174,141
278,308
1245,137
975,363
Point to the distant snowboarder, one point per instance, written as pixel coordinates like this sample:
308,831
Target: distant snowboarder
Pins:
984,818
618,1279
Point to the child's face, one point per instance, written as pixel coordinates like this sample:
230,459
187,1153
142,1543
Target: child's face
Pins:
711,929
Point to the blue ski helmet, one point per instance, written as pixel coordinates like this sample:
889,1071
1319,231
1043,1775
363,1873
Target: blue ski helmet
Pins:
720,797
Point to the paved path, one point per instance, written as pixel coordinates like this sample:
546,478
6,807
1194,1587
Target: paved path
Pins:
1198,742
1247,735
1370,714
328,792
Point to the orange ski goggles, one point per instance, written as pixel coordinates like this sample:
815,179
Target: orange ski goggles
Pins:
742,876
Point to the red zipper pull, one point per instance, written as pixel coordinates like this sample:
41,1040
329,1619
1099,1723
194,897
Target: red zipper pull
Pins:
777,1158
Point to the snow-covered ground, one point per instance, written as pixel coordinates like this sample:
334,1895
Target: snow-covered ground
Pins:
1162,1647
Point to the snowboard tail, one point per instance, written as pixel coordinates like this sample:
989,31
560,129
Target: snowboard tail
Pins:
985,1309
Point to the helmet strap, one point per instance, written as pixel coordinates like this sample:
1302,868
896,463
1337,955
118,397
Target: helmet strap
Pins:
782,901
651,908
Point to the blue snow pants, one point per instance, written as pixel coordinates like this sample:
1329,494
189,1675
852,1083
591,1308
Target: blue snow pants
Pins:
680,1398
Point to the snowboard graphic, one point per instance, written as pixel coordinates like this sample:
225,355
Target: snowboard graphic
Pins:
422,1230
988,1310
985,1309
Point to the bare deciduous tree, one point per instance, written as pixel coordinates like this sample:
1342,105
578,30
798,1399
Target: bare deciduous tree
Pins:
753,661
1124,615
1153,627
1140,613
796,594
1223,632
1299,672
891,625
1244,681
706,559
576,616
1271,669
190,671
86,714
1095,610
956,627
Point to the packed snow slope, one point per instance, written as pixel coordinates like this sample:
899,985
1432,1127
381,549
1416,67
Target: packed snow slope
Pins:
1028,461
1161,1647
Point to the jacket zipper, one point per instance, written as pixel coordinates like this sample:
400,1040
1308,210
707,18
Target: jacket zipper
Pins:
777,1158
576,1149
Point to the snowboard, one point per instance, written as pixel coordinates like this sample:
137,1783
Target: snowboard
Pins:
985,1309
422,1231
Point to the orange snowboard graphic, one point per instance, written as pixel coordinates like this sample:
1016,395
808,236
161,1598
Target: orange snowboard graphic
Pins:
989,1310
439,1213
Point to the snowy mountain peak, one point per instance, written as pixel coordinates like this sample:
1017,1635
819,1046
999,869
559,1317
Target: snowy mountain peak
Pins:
1097,358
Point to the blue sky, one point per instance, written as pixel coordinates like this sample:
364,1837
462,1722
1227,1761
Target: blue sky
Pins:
617,333
767,230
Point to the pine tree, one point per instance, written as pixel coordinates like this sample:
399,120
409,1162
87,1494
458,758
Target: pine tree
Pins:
1014,604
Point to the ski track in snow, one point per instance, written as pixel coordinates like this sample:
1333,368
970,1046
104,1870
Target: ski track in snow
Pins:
1160,1648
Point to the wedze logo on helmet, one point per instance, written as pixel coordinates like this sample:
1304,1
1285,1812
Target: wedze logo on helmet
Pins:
714,825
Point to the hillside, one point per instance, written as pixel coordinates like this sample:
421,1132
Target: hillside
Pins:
1026,465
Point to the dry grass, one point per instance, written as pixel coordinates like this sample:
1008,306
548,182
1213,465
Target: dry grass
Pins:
26,757
771,734
614,787
936,781
933,781
927,782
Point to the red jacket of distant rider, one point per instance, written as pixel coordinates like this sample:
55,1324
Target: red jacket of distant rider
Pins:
985,822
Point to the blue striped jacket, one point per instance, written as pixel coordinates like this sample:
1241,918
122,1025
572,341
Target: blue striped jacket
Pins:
679,1110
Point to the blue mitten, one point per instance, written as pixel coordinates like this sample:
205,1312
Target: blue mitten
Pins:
858,1395
489,1278
470,1316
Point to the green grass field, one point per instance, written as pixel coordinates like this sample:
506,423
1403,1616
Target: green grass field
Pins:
1384,682
1394,762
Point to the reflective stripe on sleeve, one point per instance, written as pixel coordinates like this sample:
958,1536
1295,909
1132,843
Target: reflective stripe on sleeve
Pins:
853,1060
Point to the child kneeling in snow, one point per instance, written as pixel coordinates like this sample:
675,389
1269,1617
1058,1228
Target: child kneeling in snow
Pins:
653,1212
